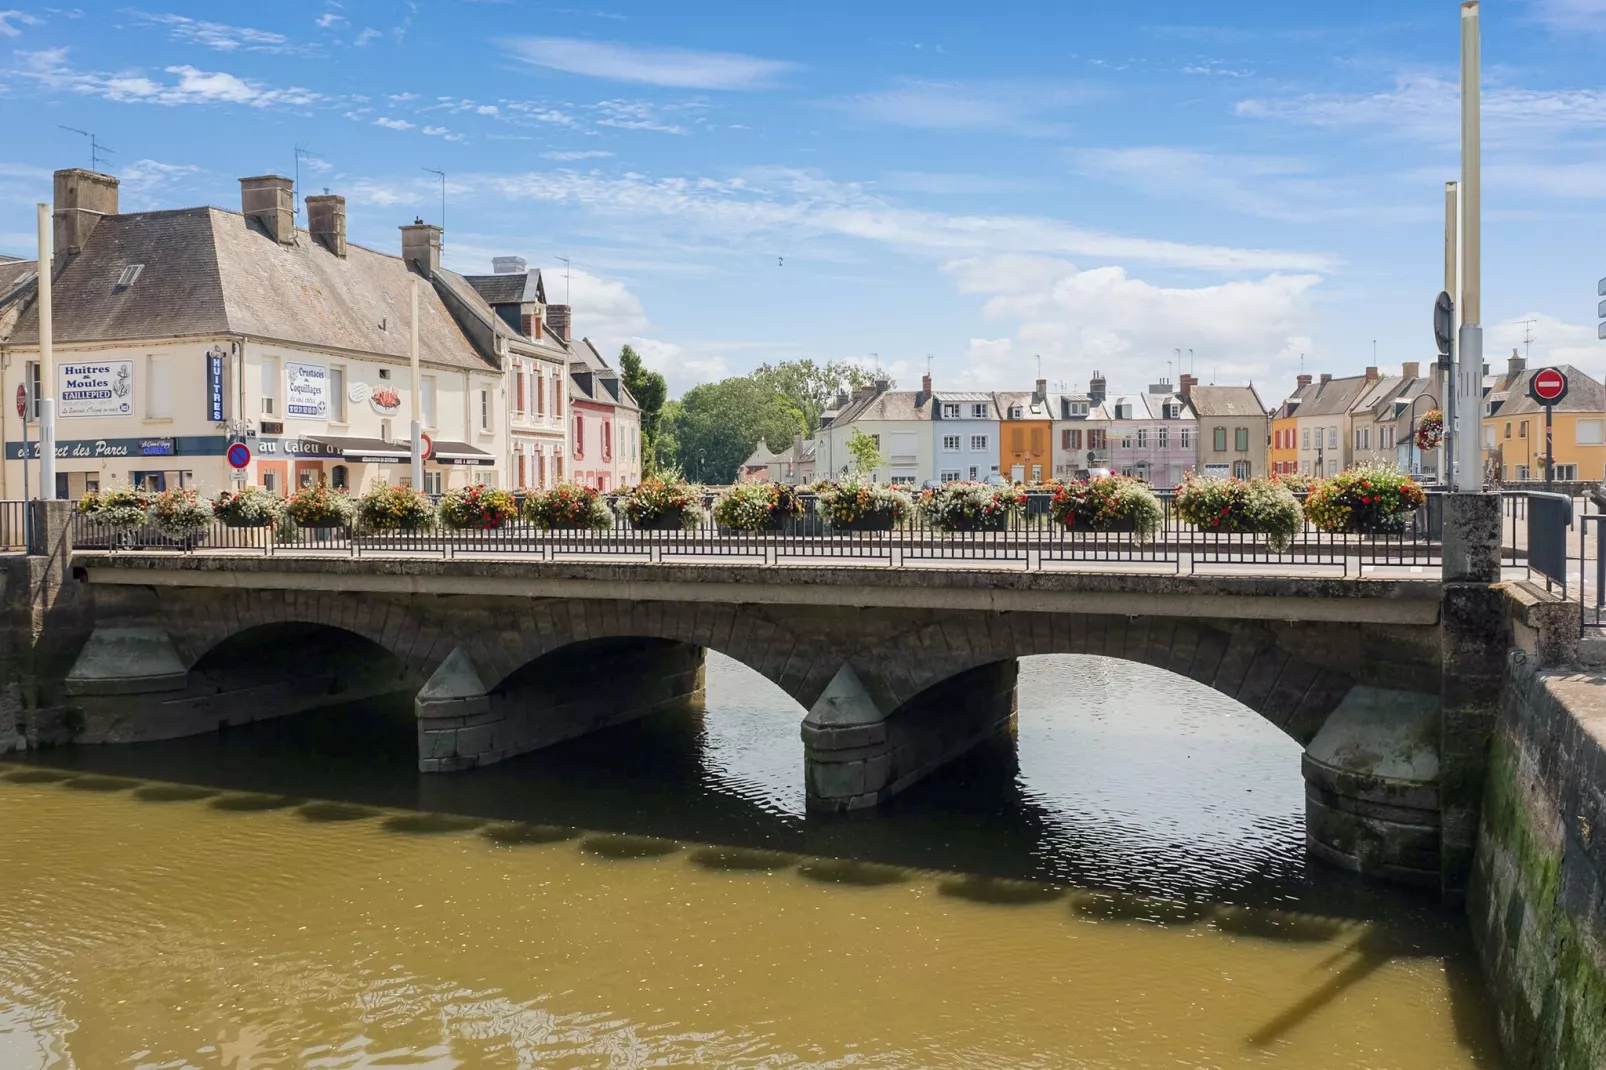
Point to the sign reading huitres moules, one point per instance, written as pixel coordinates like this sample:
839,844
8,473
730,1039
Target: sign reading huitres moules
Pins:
97,388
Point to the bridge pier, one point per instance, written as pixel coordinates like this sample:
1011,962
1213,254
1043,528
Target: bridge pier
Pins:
463,723
857,756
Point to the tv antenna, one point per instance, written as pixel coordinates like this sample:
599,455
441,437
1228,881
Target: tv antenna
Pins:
565,261
97,151
442,176
302,153
1190,362
1527,337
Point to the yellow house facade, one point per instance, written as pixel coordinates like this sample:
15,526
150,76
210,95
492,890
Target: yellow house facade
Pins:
1514,430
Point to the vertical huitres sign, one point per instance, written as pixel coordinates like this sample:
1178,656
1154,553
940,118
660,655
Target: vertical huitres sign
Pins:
214,384
306,391
99,388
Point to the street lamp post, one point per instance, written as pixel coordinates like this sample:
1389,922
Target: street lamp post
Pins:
1416,452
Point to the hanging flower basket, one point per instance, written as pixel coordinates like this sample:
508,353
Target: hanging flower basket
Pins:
856,506
180,513
756,507
388,508
1108,504
321,506
956,507
664,505
122,509
477,508
1365,501
248,507
1430,431
1258,507
568,507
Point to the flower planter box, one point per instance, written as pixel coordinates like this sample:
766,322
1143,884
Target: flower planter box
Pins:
1124,526
874,522
674,521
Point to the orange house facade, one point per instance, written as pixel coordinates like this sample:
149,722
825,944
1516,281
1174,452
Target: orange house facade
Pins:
1025,436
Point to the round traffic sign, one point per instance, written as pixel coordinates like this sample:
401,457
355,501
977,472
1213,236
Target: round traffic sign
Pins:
239,455
426,447
1548,386
22,400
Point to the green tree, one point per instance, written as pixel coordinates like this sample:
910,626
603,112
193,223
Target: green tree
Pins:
812,388
666,440
866,452
650,392
716,426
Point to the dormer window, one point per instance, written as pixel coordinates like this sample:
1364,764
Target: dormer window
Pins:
979,411
1078,408
950,410
126,279
1015,412
1172,411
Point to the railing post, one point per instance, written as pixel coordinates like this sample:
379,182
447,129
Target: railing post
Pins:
1474,636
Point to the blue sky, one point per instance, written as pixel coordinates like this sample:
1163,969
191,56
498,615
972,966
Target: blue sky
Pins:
1095,184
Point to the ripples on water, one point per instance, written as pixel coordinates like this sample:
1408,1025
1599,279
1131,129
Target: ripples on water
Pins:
1124,884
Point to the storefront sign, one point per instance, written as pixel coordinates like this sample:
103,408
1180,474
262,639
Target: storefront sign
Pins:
101,388
386,400
90,448
1217,471
295,447
156,447
306,391
214,384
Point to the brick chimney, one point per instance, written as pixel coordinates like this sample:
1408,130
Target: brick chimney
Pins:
270,200
1188,383
509,265
925,385
1327,377
326,222
1097,389
421,247
1371,373
1301,381
1042,389
530,322
1515,366
1412,369
557,320
81,198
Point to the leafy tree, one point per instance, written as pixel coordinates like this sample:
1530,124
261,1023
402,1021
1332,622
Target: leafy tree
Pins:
812,388
650,391
716,425
666,439
866,452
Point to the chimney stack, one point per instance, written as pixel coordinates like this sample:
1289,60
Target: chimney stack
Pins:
1412,369
1042,389
421,247
883,385
326,222
1302,380
1515,366
1097,389
530,322
1371,373
81,199
270,200
557,321
509,265
1327,377
925,385
1188,383
842,399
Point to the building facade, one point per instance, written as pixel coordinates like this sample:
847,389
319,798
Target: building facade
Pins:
1081,438
964,435
1025,435
1514,429
1152,436
606,421
1233,430
899,423
177,332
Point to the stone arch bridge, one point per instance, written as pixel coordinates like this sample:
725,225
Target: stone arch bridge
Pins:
898,670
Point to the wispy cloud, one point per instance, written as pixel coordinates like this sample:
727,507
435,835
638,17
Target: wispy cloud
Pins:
393,124
633,115
220,36
10,20
1572,16
50,69
144,175
584,154
445,133
1005,107
366,37
678,68
328,20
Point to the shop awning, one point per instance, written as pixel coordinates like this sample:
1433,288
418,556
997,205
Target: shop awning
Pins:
365,450
459,453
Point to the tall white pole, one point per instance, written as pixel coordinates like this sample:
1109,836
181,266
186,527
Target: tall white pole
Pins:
1469,351
1444,379
417,392
47,365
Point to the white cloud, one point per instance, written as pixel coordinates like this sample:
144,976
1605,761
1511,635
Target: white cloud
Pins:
1127,327
10,20
1555,341
367,35
380,194
633,115
800,205
486,109
393,124
442,132
144,175
1587,16
49,69
677,68
221,37
590,154
1014,107
541,113
328,20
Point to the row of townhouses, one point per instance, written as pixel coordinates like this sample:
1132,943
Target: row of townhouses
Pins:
1033,436
177,332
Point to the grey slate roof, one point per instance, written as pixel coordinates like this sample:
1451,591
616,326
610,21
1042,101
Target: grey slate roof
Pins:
208,271
1583,394
593,378
1032,407
511,288
887,405
1334,397
1226,401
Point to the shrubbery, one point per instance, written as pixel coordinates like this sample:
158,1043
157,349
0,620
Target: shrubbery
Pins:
1258,506
756,506
657,504
388,508
477,508
122,508
1372,500
970,506
320,506
248,507
568,507
1108,503
855,506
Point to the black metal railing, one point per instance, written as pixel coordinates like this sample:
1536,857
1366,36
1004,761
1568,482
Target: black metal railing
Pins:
13,525
1028,538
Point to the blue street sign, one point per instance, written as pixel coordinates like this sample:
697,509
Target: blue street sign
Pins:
239,455
214,384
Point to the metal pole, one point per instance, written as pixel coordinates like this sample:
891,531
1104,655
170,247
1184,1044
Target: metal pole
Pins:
47,369
1550,457
1446,368
25,450
1469,380
417,392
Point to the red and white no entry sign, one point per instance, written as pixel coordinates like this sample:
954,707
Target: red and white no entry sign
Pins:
22,400
1548,386
426,447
